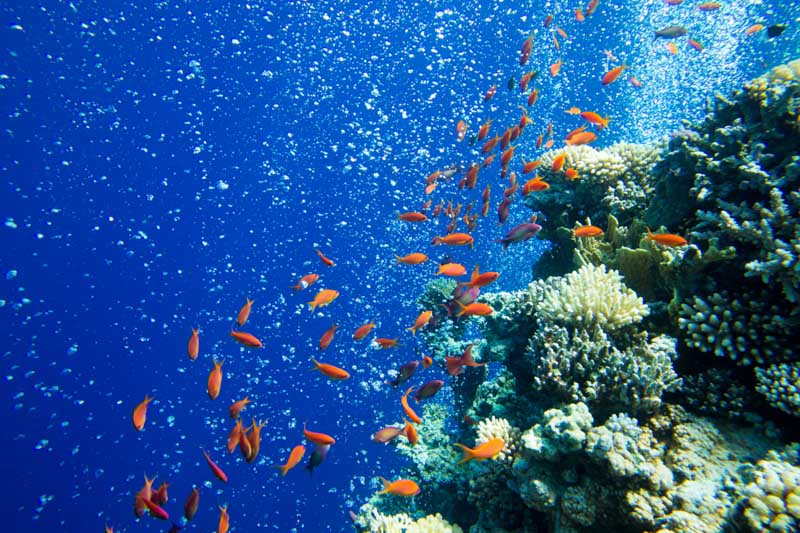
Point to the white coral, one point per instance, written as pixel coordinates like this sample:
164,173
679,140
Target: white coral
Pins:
377,522
499,428
592,295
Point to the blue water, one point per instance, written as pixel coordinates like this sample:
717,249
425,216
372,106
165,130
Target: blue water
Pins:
162,161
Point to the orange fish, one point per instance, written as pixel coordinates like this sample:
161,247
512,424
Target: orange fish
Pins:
481,280
295,456
635,82
431,187
539,140
244,312
591,7
192,502
587,231
144,494
323,298
593,118
489,145
426,361
573,111
525,80
555,68
237,407
487,450
215,379
193,347
533,97
245,446
333,372
488,161
317,438
505,159
327,337
233,437
363,331
547,20
561,32
412,216
407,408
581,138
574,132
255,440
410,432
216,470
579,15
326,261
571,174
249,340
386,343
140,413
421,321
755,28
401,487
305,282
455,239
672,48
224,520
694,44
612,75
461,131
412,259
667,239
483,131
160,497
558,162
109,529
548,144
452,270
709,6
530,166
488,95
156,510
535,184
505,139
474,309
455,365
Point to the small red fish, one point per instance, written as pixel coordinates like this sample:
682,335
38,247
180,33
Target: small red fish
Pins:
455,365
193,348
249,340
363,331
612,75
488,95
317,438
412,216
407,408
327,337
461,130
216,470
666,239
192,502
244,312
325,260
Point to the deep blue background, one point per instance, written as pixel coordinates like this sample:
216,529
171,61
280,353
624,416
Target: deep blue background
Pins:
162,161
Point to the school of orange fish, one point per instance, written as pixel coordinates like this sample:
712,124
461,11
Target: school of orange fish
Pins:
463,302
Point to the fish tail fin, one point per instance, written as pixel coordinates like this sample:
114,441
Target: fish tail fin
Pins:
282,468
386,484
297,287
468,453
313,306
413,330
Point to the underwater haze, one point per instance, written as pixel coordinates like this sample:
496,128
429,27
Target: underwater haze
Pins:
163,162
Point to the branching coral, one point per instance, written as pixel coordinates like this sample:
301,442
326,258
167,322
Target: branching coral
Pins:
745,329
591,295
585,365
780,384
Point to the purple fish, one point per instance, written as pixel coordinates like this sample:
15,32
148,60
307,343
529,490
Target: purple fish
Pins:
317,456
405,372
520,233
428,389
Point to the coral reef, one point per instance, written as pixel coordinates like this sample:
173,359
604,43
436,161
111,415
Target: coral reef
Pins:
585,365
746,329
772,499
586,369
780,385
